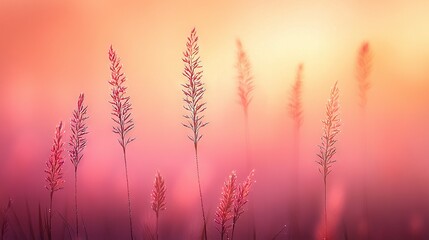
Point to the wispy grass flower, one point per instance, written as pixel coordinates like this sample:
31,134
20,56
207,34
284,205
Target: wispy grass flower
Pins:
241,199
234,197
123,122
224,211
244,77
193,89
331,127
54,169
77,144
158,198
245,89
363,71
295,102
295,113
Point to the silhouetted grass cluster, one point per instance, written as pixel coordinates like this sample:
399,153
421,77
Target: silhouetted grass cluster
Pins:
234,195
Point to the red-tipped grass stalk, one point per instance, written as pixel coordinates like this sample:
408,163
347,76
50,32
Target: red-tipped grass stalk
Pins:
295,113
363,71
331,127
158,198
123,122
77,144
53,170
295,103
240,199
245,88
193,90
224,211
244,77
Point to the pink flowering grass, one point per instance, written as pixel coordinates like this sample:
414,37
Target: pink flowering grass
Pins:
54,171
158,199
77,144
121,111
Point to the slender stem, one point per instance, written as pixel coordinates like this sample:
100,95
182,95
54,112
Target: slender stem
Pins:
247,140
199,188
326,214
128,192
365,170
50,216
249,164
233,229
297,190
75,202
156,226
279,232
325,172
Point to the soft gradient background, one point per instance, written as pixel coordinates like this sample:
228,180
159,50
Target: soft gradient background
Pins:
50,51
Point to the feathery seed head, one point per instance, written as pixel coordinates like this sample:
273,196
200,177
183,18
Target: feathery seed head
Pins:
193,89
245,78
331,127
158,194
241,197
54,165
363,70
224,211
295,104
121,105
78,127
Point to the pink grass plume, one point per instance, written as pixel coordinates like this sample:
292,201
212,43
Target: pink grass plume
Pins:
121,111
54,172
77,144
224,211
158,198
193,89
327,149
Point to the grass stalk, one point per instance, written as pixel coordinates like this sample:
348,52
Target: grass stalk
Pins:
295,113
363,72
158,200
245,89
193,89
331,127
123,122
77,144
224,211
54,173
241,198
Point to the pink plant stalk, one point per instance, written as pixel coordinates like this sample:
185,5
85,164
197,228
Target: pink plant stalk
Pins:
295,113
194,104
295,103
363,70
240,199
245,89
53,170
158,198
123,122
77,144
331,127
224,211
244,77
